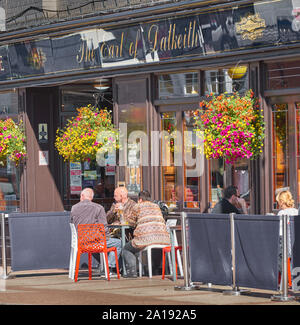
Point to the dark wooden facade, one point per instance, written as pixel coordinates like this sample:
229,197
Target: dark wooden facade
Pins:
136,85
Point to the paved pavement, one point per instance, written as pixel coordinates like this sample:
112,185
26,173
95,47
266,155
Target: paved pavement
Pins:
49,295
53,287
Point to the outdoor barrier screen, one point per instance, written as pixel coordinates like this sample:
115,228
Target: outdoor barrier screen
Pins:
210,248
256,251
256,245
294,250
39,240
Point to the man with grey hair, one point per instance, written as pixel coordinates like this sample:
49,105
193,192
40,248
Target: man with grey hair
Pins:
88,212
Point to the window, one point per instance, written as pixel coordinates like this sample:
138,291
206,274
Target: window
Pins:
280,146
283,74
226,80
171,189
191,168
178,85
298,147
9,174
216,177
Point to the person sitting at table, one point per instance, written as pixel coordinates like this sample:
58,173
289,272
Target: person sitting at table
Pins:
229,201
150,229
286,206
88,212
122,205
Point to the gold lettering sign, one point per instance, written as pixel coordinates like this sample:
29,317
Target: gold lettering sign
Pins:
251,27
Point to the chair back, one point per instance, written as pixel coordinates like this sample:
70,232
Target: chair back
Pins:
91,237
73,235
170,223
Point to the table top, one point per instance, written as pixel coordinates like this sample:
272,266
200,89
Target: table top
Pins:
119,226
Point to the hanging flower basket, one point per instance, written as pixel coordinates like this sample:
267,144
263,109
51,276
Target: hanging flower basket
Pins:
86,134
232,125
12,142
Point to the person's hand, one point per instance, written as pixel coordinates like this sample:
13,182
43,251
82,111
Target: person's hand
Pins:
241,204
119,206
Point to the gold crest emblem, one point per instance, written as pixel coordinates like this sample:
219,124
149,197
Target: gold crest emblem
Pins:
251,27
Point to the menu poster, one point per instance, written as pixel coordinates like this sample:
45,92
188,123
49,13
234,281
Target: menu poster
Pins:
75,178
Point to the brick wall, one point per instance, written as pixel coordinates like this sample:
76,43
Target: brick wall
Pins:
50,11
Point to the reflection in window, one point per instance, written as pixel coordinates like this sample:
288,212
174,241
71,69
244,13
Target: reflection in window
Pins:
191,179
216,180
280,146
9,174
136,119
171,191
241,178
283,74
178,85
298,147
226,80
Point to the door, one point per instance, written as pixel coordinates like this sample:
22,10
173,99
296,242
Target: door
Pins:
42,176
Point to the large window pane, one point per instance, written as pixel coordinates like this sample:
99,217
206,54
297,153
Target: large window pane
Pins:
216,180
280,146
178,85
135,118
298,148
283,74
191,179
171,191
9,174
226,80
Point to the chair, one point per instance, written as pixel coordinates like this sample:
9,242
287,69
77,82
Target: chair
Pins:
73,252
92,239
167,250
149,248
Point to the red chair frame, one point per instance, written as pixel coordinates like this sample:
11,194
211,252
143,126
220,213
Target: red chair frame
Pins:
92,239
168,250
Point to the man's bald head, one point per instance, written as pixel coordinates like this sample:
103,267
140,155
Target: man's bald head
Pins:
87,194
121,194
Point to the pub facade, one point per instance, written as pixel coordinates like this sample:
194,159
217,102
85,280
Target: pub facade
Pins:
151,66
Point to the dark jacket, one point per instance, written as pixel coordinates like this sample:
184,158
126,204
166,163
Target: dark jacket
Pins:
88,212
224,206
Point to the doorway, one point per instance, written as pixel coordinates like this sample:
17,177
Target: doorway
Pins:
79,175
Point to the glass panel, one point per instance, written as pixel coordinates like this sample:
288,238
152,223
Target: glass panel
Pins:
77,176
283,74
135,118
298,148
241,179
216,180
9,175
8,103
226,80
191,179
178,85
280,146
171,191
73,99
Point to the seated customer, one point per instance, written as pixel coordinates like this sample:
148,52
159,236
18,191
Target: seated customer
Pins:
123,203
227,204
88,212
150,229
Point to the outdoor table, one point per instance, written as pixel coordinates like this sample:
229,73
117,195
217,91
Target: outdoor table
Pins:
123,238
172,233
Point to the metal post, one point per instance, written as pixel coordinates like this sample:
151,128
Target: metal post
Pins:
235,290
186,273
4,264
284,277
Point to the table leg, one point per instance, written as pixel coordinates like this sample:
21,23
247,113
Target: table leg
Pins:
173,255
123,235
